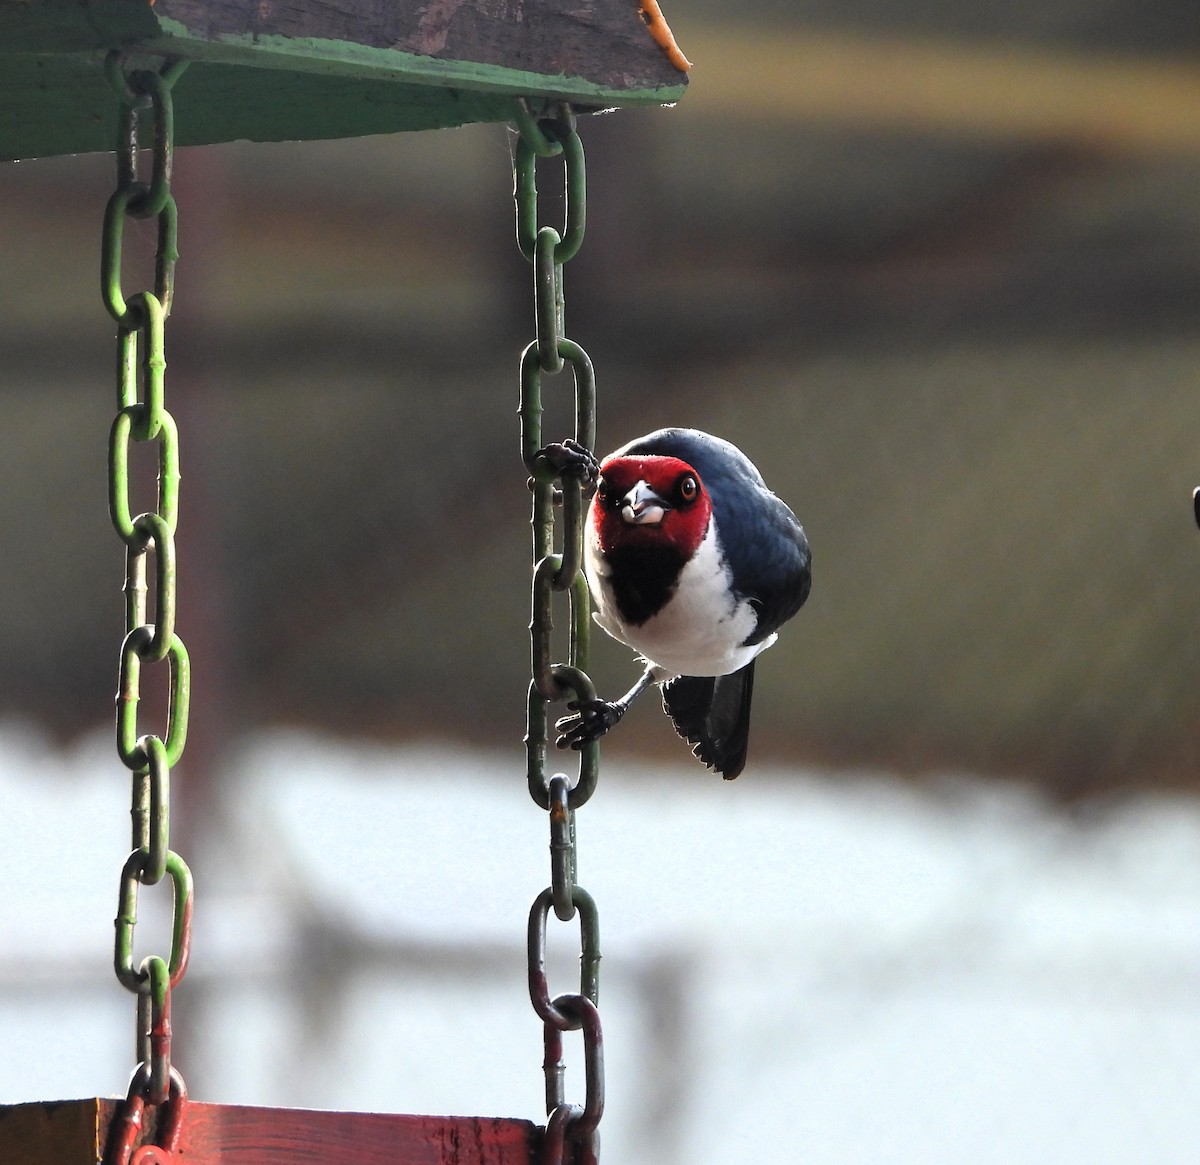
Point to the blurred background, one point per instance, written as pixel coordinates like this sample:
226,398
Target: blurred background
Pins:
936,269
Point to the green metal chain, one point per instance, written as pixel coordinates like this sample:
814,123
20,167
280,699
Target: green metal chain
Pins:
142,416
571,1130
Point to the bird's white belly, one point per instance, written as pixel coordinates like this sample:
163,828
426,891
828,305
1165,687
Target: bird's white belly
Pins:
701,629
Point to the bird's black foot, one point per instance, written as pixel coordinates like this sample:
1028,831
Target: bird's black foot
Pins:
589,721
571,459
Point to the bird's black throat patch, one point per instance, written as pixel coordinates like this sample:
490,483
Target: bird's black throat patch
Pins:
643,579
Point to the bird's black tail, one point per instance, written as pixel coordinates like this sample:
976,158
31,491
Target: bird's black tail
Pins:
713,713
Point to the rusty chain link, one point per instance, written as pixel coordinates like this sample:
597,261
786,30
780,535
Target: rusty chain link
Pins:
149,635
571,1130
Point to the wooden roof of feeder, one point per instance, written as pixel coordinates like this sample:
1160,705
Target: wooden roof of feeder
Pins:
276,70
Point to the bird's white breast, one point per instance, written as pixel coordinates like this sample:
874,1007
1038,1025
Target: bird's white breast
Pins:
701,629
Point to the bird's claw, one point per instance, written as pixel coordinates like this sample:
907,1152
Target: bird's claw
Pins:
571,459
590,720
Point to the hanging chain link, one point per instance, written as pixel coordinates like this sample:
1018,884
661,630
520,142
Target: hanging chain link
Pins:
571,1130
142,416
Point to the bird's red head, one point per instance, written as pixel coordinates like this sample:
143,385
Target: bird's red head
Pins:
650,501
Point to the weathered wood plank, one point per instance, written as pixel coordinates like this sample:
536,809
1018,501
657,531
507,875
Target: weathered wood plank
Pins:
213,1134
271,70
75,1133
60,1133
606,43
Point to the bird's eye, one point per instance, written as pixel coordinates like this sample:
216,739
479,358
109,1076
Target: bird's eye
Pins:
604,495
689,487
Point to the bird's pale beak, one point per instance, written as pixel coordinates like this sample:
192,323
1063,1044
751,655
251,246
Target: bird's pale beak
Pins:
641,506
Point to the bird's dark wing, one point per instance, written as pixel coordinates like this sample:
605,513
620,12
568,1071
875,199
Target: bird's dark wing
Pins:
713,713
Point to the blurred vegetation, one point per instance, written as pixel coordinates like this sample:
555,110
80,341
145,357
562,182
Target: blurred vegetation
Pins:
969,365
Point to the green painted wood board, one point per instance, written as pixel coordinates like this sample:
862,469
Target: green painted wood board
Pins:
267,70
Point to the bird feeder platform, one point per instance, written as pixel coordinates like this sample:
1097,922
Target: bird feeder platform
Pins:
75,1132
265,70
306,69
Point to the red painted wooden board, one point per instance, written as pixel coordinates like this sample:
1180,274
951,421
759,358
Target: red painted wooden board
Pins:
74,1132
